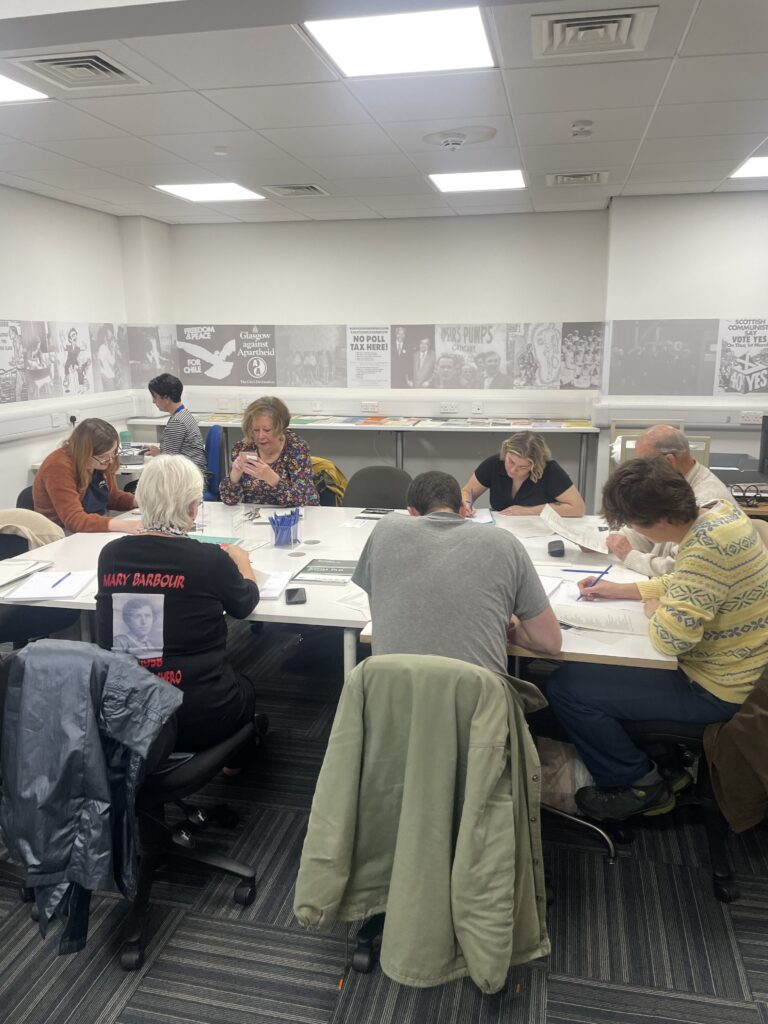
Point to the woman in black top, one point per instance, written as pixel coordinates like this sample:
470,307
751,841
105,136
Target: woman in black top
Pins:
162,598
522,479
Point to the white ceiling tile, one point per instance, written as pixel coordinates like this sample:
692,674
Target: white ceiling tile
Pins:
332,140
201,218
22,156
738,117
667,188
257,173
310,205
469,158
588,86
159,114
581,156
409,135
385,204
371,187
291,106
471,200
44,120
178,173
74,177
714,79
743,185
200,146
469,94
612,125
719,27
388,165
403,214
110,152
272,215
708,147
562,207
217,60
128,195
491,211
512,27
367,215
700,171
254,207
570,194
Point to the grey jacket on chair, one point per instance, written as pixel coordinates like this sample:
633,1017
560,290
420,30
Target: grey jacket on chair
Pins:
427,807
78,723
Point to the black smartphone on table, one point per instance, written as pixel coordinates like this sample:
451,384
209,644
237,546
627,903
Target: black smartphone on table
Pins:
296,595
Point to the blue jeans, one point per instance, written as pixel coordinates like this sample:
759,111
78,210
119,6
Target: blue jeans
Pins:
591,701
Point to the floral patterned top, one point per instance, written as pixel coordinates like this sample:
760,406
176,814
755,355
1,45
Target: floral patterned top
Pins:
294,467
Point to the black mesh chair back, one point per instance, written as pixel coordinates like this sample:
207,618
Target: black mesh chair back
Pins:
25,499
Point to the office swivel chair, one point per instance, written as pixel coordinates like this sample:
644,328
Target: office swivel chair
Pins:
377,487
19,625
174,780
25,499
214,443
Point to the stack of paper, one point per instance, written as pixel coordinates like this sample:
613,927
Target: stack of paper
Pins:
586,535
17,568
51,586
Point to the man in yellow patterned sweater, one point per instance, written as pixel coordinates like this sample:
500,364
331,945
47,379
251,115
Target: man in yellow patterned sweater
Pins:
710,612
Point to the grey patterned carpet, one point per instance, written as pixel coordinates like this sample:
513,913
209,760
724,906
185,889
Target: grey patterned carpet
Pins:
642,941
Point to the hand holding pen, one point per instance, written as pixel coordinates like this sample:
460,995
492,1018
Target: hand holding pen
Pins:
594,587
587,586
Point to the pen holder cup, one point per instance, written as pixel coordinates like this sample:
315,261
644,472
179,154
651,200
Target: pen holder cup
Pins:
285,532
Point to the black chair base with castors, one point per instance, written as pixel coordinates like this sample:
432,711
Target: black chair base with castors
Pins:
368,944
176,778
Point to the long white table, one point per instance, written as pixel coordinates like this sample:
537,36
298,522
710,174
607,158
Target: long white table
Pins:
341,606
586,433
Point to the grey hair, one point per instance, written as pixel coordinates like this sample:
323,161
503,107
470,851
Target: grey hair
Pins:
667,440
167,487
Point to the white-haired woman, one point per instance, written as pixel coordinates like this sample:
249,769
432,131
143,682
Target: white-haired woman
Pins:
187,586
522,479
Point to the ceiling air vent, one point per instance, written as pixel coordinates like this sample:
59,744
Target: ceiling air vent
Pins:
295,191
592,32
578,178
78,70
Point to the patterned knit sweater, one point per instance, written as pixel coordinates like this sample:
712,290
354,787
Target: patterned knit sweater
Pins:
713,611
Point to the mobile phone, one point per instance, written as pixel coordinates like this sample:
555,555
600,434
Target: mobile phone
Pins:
296,595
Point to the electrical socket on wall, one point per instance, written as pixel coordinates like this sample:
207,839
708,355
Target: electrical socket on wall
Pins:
476,409
449,407
749,417
369,406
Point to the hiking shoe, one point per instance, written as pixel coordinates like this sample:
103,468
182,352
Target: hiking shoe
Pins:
677,781
624,801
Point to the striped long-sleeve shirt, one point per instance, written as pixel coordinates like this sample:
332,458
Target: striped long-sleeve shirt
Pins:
713,611
181,436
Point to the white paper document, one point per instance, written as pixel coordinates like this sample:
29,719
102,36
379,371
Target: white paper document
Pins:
271,584
482,515
604,616
18,568
586,535
551,584
356,598
51,586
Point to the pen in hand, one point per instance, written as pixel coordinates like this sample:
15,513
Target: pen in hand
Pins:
595,581
471,499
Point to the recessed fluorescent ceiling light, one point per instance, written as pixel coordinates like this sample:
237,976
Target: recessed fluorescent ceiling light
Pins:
755,167
399,44
478,181
13,92
215,192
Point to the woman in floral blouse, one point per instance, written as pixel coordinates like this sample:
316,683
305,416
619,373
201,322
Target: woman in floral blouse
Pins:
271,465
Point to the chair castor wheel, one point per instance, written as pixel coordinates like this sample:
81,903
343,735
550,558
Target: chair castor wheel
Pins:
362,960
245,893
26,894
725,892
197,817
34,912
183,837
131,958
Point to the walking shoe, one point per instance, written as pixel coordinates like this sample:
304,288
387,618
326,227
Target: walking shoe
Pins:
624,801
677,781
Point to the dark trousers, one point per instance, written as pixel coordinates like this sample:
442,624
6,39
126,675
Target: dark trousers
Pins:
591,701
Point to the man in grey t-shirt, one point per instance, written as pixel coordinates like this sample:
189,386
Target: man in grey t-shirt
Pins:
442,584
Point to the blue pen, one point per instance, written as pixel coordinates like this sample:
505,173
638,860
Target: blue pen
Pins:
60,580
594,581
471,499
586,569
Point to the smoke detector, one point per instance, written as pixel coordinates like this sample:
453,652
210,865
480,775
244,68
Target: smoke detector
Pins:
455,138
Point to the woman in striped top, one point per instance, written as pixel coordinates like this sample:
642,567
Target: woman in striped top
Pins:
710,612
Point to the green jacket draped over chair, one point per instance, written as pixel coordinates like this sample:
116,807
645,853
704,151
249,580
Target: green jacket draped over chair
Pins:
427,807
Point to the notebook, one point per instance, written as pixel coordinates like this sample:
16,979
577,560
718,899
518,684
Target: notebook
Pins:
51,586
17,569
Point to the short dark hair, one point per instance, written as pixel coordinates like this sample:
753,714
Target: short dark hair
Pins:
432,490
643,491
165,385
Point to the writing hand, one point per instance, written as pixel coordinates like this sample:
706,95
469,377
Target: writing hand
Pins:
465,510
618,545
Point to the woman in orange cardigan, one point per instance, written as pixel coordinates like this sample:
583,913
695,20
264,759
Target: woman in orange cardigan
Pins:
75,485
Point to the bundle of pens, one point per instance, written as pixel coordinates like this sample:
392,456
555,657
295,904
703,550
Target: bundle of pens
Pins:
285,528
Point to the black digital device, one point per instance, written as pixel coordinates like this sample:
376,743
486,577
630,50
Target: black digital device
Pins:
556,548
296,595
762,464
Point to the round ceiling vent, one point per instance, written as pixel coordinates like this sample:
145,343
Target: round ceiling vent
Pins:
455,138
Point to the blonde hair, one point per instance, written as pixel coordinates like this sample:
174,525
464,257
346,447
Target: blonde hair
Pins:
91,437
167,487
266,406
528,445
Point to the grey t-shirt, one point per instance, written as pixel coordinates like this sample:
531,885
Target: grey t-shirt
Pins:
440,584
